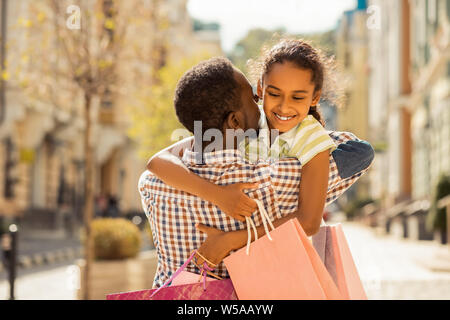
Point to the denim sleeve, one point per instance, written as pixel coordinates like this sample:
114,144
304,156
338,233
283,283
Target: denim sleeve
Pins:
352,157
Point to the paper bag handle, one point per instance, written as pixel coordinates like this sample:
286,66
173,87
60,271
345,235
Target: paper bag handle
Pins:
204,271
265,219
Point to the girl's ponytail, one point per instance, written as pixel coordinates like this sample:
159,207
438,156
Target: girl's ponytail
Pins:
315,112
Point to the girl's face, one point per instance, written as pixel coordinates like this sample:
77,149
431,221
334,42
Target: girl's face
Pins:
288,93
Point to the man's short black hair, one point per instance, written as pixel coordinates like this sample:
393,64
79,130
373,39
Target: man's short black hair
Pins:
208,92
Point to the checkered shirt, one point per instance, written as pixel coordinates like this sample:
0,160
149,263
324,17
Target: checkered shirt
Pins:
173,213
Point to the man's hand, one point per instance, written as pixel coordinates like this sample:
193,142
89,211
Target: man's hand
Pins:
215,248
234,202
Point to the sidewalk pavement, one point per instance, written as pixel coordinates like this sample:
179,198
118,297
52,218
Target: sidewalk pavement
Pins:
389,268
46,278
37,248
46,282
399,269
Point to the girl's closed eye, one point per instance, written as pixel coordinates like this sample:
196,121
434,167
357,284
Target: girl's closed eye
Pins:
273,94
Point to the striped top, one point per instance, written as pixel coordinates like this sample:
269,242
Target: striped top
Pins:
304,141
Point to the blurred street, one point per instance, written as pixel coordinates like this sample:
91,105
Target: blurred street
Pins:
395,269
50,282
46,268
390,269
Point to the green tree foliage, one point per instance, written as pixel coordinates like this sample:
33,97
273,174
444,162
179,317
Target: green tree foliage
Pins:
353,208
198,25
324,40
250,46
437,218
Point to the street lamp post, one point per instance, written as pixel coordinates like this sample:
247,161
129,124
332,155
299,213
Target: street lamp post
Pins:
445,203
9,246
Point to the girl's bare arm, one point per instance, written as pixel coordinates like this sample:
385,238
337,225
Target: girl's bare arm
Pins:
168,167
313,192
312,197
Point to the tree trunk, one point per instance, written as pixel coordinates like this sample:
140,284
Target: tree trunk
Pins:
88,196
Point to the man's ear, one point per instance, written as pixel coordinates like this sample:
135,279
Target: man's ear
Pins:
316,97
234,121
259,90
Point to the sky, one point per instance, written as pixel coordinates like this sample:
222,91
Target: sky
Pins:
236,17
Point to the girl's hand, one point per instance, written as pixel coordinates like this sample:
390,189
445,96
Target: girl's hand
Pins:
215,248
234,202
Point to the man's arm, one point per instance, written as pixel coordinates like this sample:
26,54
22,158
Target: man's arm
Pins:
352,157
312,193
348,163
219,244
169,168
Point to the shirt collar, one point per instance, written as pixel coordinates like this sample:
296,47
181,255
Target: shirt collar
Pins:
289,136
286,137
262,119
191,158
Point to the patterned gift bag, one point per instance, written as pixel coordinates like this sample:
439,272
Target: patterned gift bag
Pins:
210,289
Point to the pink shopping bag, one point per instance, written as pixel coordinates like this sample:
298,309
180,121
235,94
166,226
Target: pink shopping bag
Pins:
185,288
332,247
284,268
186,277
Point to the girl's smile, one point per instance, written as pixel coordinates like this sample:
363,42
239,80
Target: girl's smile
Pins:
283,119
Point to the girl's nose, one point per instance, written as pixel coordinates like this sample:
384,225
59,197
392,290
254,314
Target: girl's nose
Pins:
283,106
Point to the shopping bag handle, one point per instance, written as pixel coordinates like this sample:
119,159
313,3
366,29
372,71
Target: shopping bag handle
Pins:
265,220
203,272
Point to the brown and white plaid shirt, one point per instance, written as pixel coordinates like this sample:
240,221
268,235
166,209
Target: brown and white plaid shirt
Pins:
173,213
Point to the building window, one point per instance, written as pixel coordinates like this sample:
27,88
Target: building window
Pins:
107,99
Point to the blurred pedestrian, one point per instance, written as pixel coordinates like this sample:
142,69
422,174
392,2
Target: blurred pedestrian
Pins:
101,206
112,210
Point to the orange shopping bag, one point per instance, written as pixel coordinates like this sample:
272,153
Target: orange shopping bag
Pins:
282,265
333,249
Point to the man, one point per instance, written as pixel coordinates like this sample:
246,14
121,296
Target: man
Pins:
221,97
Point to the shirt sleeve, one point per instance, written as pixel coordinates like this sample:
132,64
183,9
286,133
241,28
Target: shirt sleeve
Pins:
310,139
338,183
144,192
352,157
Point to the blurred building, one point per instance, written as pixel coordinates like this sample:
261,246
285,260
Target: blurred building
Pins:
187,36
41,167
40,146
389,53
429,101
409,103
352,57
